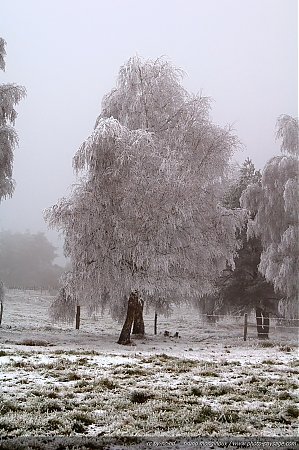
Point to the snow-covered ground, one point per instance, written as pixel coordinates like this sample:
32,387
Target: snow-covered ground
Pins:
56,380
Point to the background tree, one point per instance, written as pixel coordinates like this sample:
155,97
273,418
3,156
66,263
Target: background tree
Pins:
247,175
10,95
274,206
144,222
26,260
243,288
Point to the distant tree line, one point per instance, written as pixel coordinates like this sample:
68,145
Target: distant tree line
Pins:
27,261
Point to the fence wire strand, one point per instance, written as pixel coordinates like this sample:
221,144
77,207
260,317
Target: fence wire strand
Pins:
242,317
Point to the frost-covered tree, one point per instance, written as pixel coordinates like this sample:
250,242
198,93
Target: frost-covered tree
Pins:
247,174
62,309
243,288
274,204
144,222
10,95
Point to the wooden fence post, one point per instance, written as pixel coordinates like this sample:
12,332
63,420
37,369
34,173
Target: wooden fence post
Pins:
1,312
155,323
78,318
245,326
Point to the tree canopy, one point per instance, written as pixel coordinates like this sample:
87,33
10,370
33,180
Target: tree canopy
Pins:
146,215
10,95
242,288
247,174
274,204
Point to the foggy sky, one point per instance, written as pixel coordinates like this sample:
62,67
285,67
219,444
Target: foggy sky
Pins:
242,53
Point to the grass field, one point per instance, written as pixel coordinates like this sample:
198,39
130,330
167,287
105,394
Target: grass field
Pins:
56,381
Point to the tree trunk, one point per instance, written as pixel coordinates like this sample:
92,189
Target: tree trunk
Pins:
138,325
262,323
1,312
125,334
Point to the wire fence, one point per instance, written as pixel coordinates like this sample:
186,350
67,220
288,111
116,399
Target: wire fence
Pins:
251,325
187,321
40,289
276,319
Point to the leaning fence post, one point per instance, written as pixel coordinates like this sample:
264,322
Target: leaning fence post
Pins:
245,326
155,323
78,318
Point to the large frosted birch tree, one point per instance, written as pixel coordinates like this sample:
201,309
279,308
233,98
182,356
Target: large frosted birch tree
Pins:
144,221
10,95
275,206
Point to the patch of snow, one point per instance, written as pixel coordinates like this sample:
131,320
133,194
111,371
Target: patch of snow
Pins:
112,360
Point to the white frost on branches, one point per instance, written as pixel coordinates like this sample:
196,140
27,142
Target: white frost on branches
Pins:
10,95
146,213
287,131
275,206
2,53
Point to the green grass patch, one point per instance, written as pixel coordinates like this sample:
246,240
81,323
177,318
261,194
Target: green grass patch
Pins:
270,362
204,414
218,390
266,344
95,386
50,405
197,391
209,373
34,343
140,396
8,406
131,371
284,395
20,364
70,376
286,348
76,352
228,416
107,383
292,411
